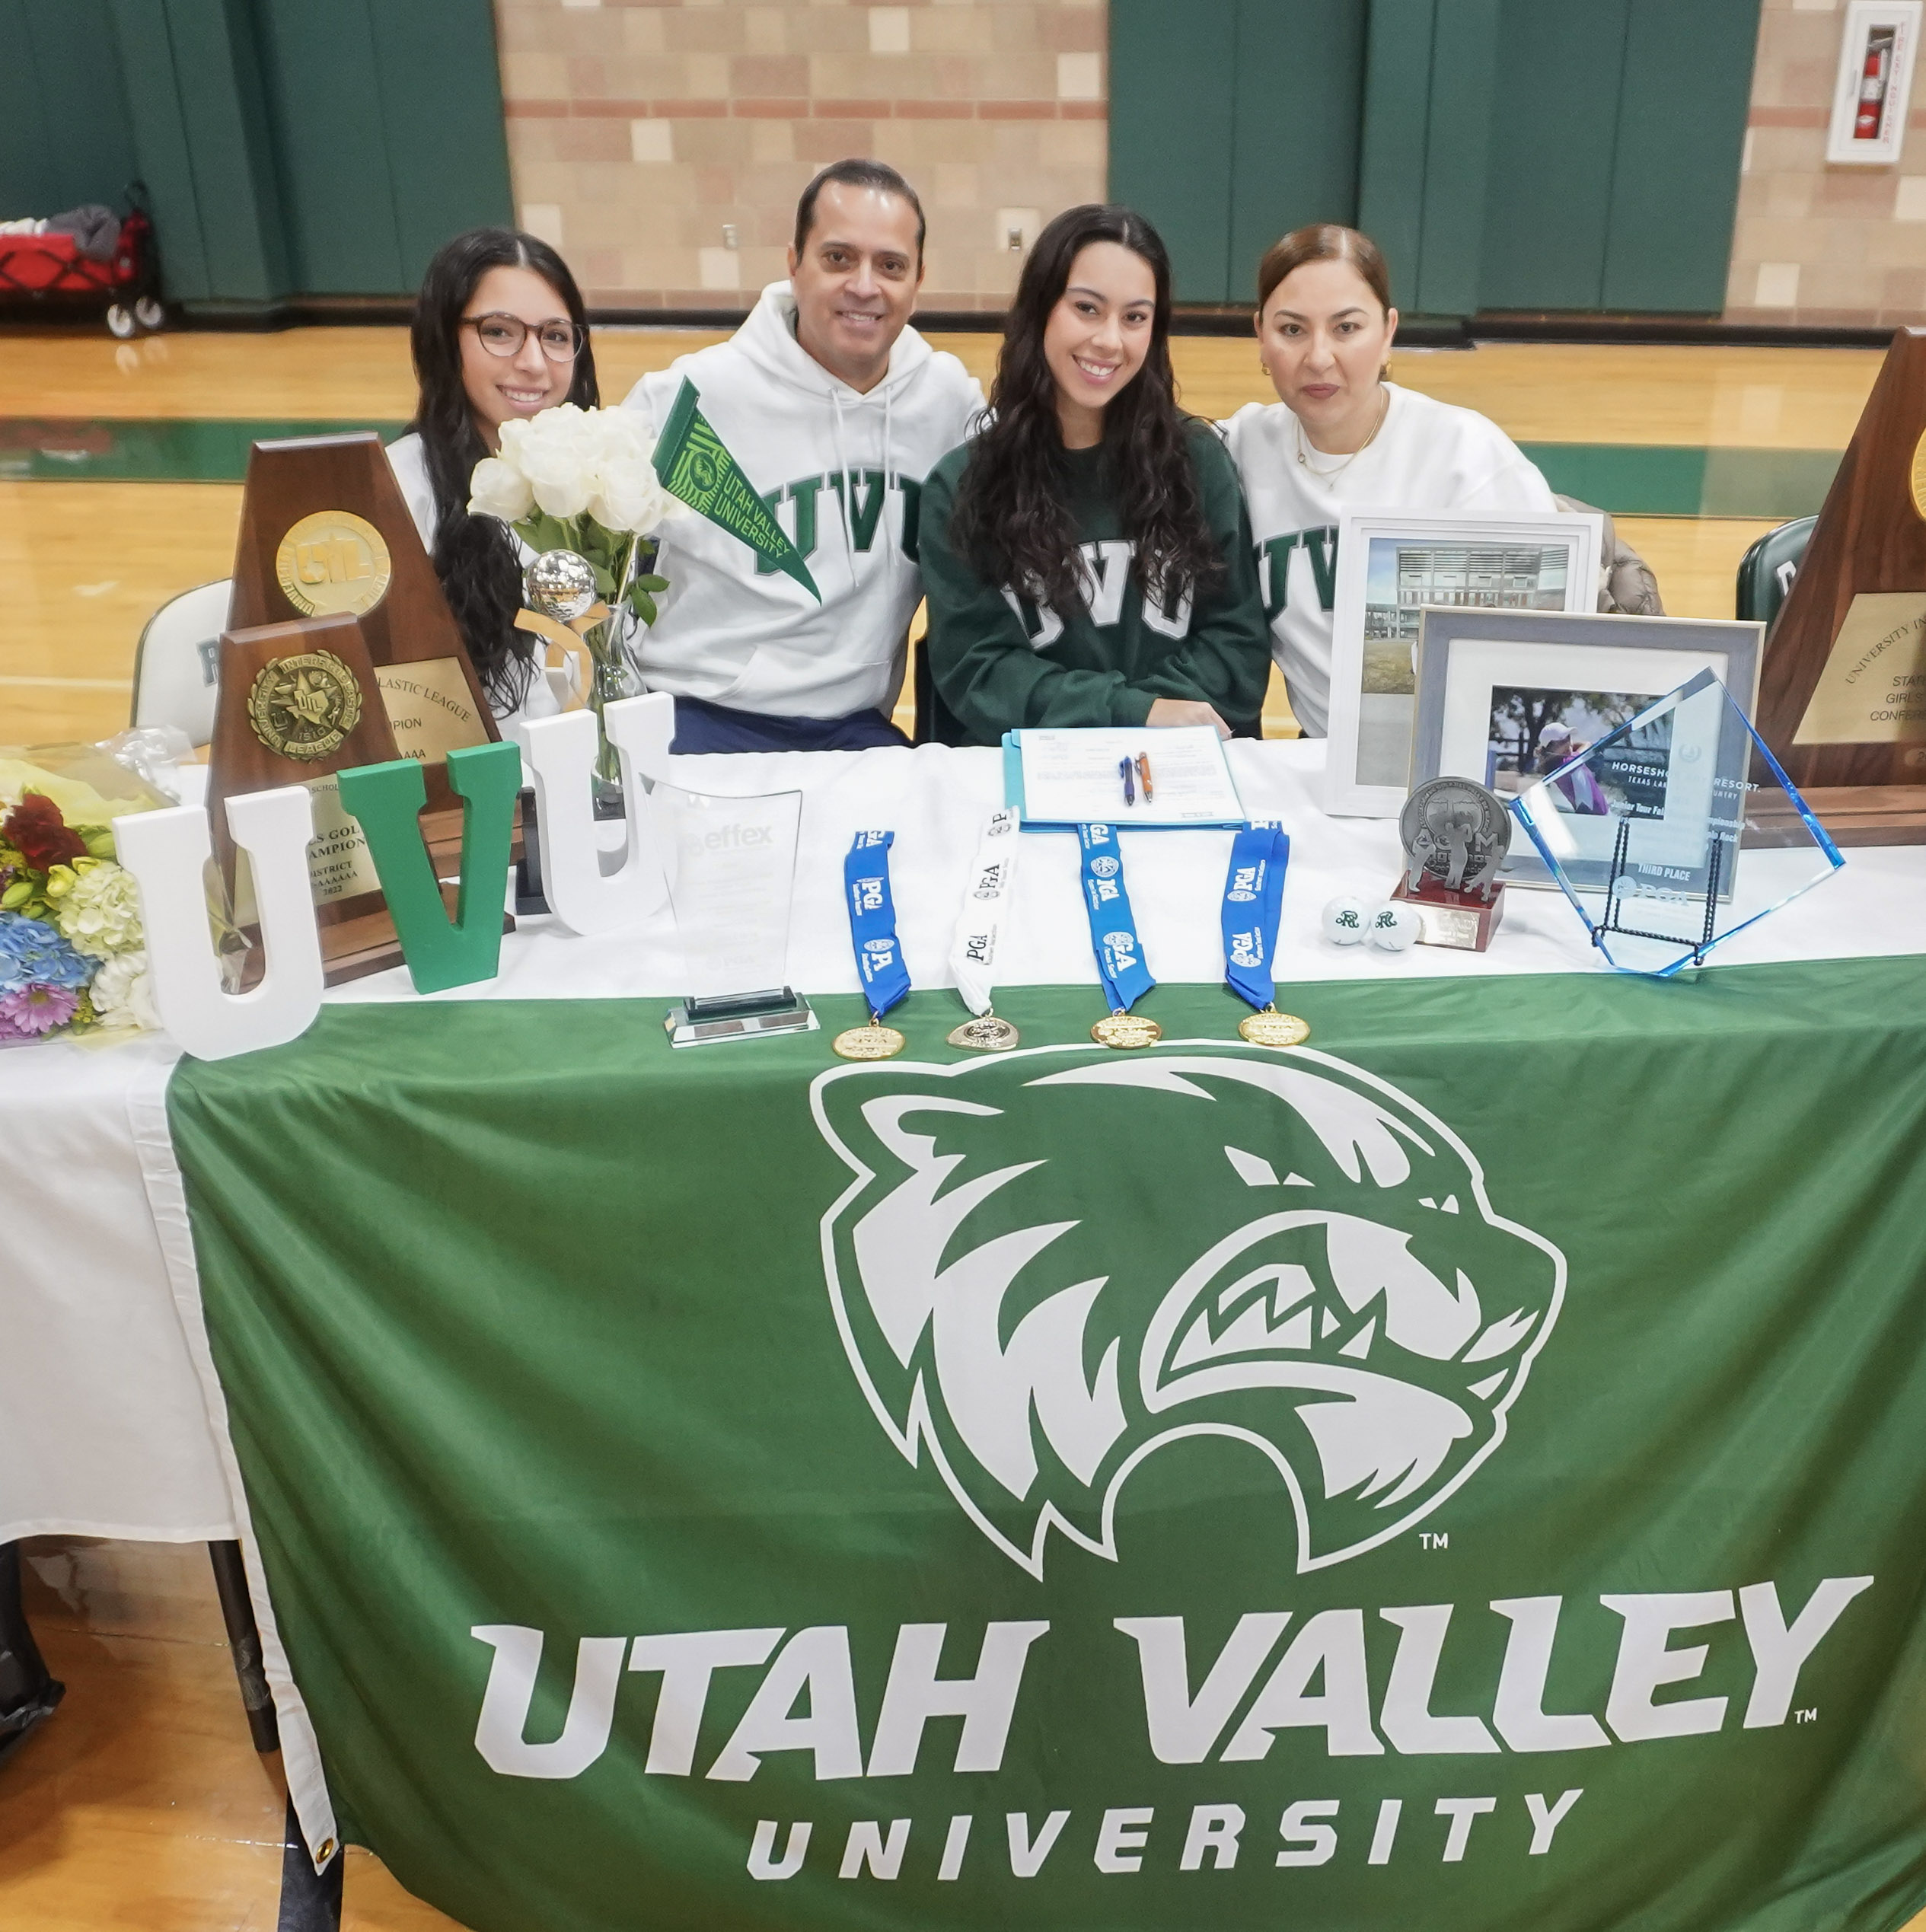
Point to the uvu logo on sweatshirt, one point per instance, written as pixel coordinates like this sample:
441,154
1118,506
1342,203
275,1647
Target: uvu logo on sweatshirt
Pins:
1274,556
862,507
1105,568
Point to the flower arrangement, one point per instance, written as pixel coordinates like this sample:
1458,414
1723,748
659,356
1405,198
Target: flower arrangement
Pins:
72,957
583,480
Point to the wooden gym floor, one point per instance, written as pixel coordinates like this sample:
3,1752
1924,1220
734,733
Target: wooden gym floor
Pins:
141,1803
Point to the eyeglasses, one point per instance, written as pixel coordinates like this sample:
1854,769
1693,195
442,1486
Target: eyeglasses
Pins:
503,336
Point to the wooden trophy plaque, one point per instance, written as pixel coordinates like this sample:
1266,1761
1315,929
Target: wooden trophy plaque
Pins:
324,530
1842,687
298,702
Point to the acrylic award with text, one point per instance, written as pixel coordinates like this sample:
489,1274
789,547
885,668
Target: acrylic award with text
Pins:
730,866
1676,832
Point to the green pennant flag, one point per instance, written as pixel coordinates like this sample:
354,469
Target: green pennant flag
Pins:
695,463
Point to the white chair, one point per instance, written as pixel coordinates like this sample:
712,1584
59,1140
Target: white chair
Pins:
177,665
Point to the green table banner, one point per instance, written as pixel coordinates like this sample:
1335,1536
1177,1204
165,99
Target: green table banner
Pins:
1469,1472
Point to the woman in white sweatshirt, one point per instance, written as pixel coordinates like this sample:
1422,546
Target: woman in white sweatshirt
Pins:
499,332
1342,437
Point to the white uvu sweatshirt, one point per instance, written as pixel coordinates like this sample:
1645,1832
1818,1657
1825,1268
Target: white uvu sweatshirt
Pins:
756,640
1427,455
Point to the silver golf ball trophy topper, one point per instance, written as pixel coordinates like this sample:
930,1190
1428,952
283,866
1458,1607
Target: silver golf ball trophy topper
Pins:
560,585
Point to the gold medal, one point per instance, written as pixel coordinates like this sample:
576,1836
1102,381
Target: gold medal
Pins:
1126,1030
874,1042
333,561
1272,1028
986,1033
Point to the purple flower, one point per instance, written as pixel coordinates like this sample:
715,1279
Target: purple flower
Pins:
36,1009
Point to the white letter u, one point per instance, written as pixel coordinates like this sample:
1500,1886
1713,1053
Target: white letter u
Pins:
763,1863
166,852
511,1690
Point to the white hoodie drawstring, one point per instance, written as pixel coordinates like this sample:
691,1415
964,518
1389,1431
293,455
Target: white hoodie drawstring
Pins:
848,491
889,477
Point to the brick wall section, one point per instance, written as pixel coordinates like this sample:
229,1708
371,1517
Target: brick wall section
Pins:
637,134
1818,243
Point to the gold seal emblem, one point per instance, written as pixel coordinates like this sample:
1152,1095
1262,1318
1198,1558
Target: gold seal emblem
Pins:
1918,475
874,1042
986,1033
332,563
305,706
1126,1030
1272,1028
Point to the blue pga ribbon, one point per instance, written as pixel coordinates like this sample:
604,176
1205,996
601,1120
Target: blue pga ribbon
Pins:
1253,897
1113,926
872,921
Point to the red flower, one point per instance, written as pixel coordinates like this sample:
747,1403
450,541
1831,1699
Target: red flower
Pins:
42,835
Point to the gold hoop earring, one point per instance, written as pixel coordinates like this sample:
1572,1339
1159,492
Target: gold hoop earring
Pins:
1384,375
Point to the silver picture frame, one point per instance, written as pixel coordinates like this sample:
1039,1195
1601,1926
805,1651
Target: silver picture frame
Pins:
1479,670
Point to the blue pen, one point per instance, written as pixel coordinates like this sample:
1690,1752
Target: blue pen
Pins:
1126,770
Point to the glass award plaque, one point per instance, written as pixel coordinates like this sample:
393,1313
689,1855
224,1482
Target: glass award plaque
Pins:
730,866
1674,832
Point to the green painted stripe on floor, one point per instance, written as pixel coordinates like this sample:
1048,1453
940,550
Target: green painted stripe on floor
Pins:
1628,479
145,450
1648,480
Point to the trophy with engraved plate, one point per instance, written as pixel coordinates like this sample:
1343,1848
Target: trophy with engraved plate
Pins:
341,651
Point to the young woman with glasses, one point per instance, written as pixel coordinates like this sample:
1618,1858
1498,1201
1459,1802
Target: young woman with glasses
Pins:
499,332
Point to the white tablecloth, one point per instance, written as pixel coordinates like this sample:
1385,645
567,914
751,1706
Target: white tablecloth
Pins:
103,1422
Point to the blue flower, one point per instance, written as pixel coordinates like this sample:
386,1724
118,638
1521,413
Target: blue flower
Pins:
32,954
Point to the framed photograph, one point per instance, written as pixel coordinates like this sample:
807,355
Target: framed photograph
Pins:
1873,87
1391,566
1505,697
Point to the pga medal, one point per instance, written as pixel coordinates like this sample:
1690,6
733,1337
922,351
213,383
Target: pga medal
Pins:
874,1042
880,969
984,1033
1127,1030
1272,1028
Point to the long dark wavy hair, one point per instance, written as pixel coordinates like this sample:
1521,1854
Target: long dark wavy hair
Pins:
475,556
1011,517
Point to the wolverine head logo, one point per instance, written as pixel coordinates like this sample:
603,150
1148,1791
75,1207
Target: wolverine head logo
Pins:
1049,1264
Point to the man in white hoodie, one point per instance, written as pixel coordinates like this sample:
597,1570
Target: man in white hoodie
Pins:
837,410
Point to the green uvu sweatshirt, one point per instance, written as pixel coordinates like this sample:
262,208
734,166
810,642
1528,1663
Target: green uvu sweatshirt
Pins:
1000,661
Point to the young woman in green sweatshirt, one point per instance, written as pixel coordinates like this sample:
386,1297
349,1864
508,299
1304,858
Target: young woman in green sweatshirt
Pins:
1087,557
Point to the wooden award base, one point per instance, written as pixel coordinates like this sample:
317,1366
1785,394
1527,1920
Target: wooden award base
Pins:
1464,920
355,946
1842,684
1852,815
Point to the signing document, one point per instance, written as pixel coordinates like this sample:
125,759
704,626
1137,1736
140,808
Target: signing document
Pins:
1138,777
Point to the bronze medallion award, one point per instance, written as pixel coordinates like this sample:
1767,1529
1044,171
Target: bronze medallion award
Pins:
304,706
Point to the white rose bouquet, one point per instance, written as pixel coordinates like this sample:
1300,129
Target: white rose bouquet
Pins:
584,480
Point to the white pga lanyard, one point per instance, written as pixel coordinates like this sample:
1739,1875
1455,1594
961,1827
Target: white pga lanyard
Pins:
986,905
